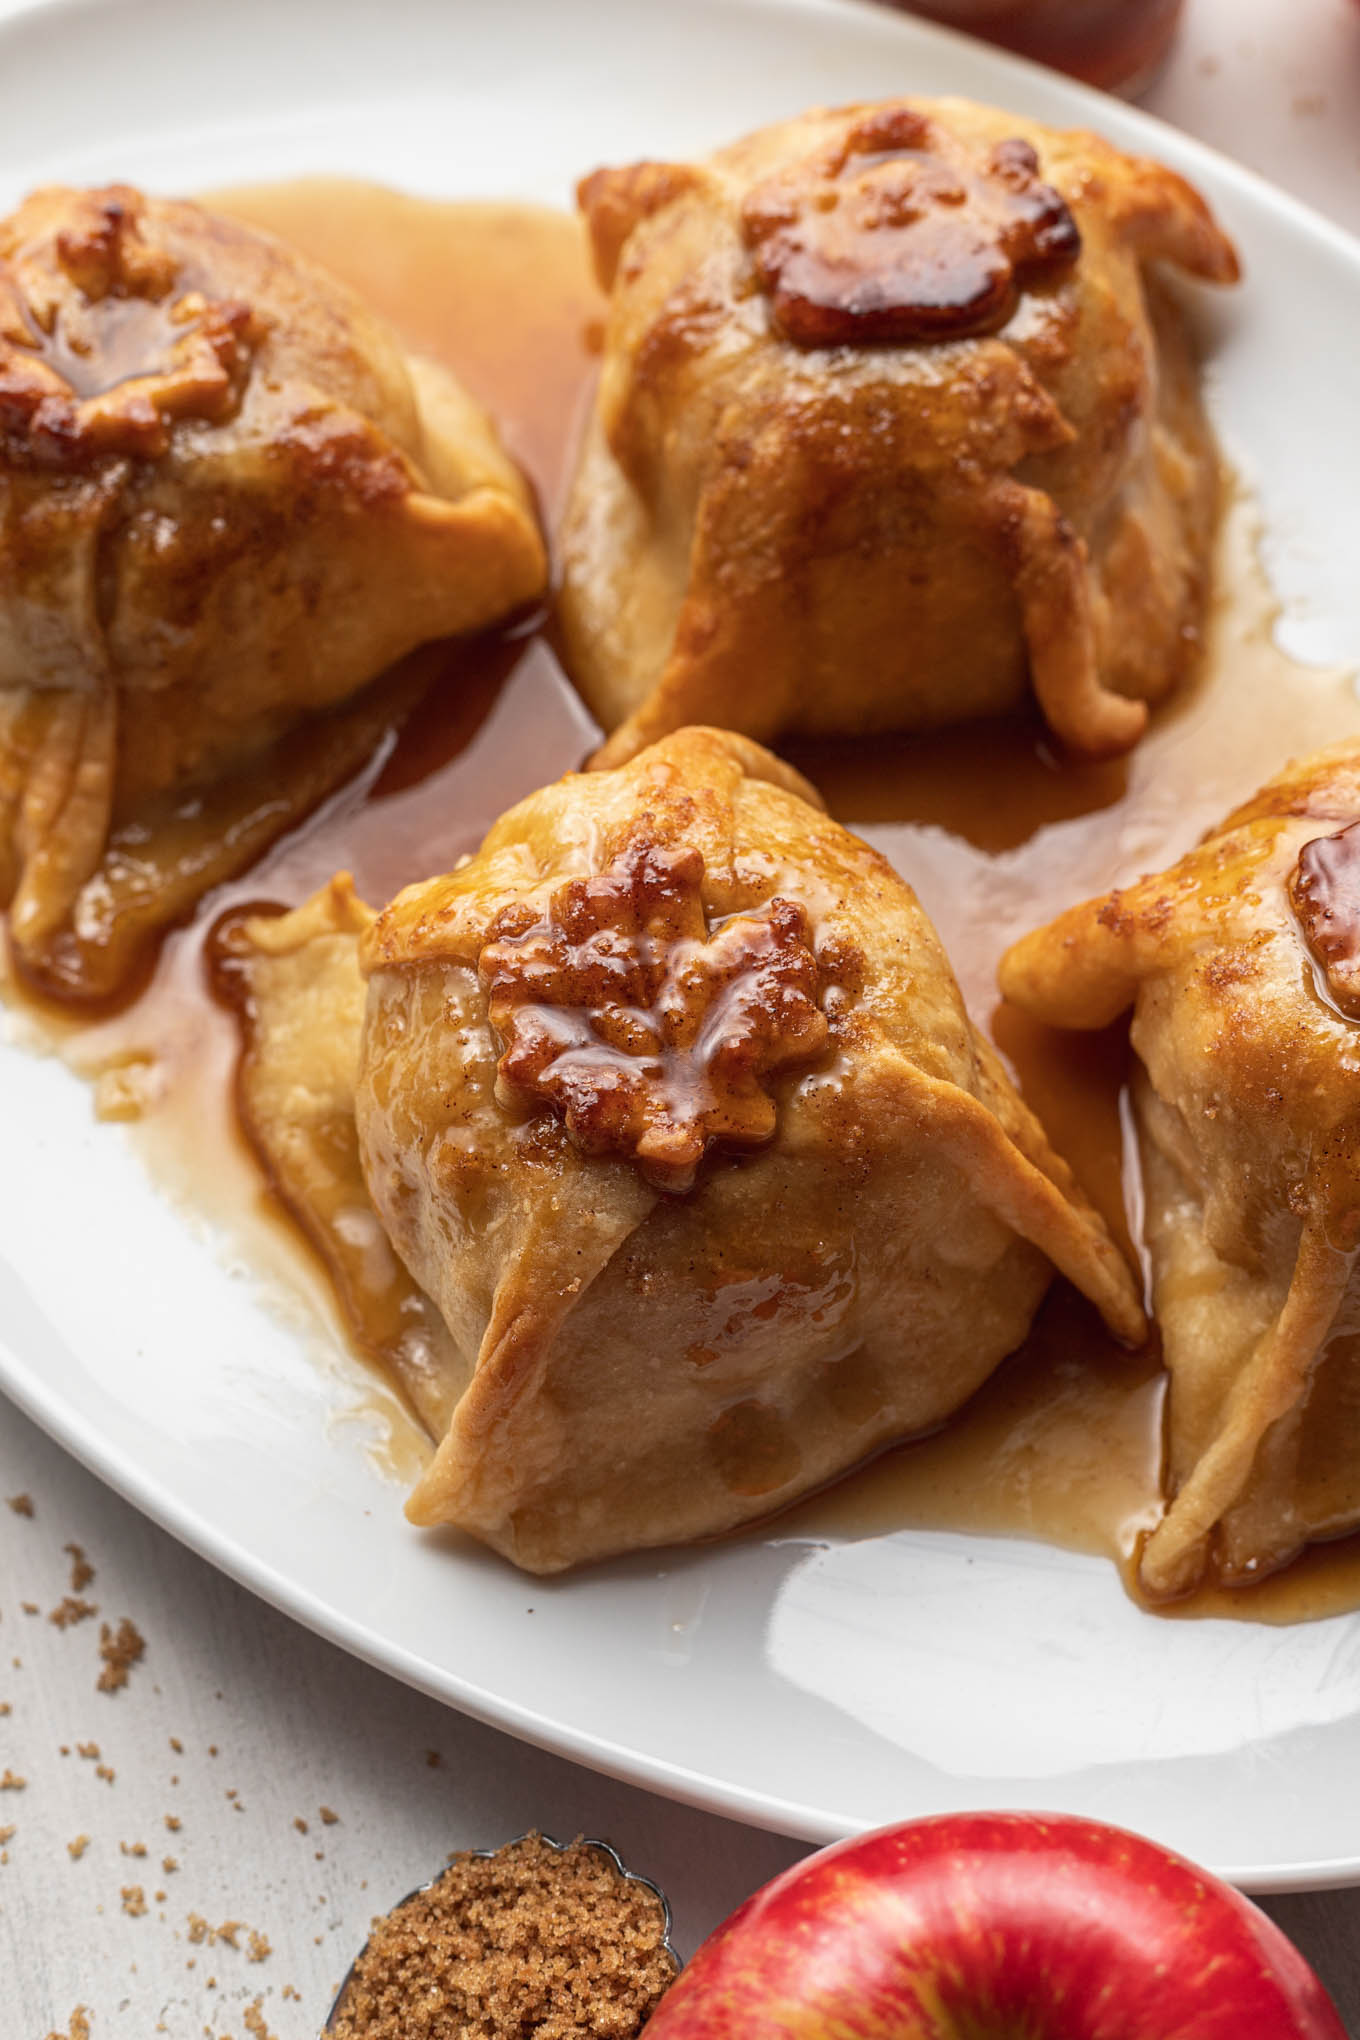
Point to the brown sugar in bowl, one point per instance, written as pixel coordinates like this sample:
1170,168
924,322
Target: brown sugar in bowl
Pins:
538,1938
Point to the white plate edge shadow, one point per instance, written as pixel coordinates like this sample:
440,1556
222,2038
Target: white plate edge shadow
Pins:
68,1426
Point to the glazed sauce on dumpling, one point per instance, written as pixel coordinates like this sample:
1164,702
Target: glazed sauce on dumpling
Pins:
1324,889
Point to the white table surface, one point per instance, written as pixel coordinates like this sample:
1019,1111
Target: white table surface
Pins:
274,1724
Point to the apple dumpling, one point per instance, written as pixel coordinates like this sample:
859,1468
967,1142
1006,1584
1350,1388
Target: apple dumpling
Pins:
227,498
898,422
1241,965
668,1099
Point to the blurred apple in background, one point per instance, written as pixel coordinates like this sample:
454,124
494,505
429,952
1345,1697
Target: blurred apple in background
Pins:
1120,44
997,1927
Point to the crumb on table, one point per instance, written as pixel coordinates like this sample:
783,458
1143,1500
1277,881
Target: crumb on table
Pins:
119,1650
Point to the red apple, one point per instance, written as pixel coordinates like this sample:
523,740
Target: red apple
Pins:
997,1926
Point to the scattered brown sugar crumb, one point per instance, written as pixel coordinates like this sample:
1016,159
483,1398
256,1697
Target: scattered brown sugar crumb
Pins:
87,1749
199,1929
255,2022
177,1746
7,1833
82,1572
4,1707
329,1819
173,1822
299,1823
10,1781
553,1942
76,1849
134,1900
30,1608
22,1505
77,2026
105,1771
132,1848
71,1610
119,1650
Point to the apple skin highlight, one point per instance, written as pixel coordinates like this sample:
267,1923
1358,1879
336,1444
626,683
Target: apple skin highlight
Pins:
1005,1926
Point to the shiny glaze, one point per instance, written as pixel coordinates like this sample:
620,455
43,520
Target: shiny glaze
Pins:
98,348
1324,889
992,829
897,233
652,1033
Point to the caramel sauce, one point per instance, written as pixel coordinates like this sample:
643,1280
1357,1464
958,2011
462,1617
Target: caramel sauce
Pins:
1325,892
994,831
97,355
501,293
997,835
651,1033
895,233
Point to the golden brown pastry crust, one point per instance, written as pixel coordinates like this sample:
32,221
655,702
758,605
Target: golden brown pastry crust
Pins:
896,421
872,1213
227,497
293,981
1235,964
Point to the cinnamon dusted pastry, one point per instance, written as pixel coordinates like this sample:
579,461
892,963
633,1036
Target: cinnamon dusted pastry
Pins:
669,1100
1242,968
227,497
897,422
